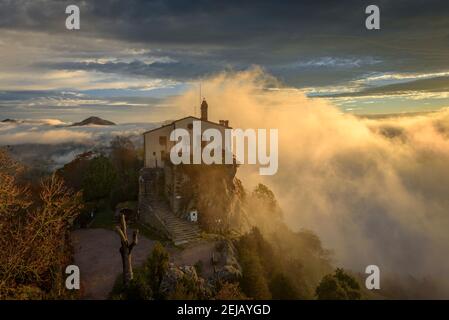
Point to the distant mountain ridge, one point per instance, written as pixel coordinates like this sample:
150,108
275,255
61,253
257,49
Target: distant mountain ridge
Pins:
9,120
93,120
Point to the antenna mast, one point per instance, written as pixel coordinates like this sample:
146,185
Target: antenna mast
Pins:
199,97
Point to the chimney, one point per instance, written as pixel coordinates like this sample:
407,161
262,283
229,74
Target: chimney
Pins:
224,123
204,110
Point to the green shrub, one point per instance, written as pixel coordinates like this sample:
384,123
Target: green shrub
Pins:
338,286
155,268
199,267
253,281
186,289
138,288
99,179
229,291
281,288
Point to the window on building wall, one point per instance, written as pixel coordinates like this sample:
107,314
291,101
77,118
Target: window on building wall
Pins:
163,141
162,155
190,126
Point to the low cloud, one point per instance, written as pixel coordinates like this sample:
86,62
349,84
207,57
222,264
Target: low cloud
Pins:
375,190
54,131
45,137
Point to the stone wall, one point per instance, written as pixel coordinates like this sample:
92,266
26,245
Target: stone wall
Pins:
150,191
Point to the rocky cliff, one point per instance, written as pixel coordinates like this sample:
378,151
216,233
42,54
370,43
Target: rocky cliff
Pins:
217,195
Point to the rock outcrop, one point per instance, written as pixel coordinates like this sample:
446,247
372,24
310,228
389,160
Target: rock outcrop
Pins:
183,276
217,195
228,269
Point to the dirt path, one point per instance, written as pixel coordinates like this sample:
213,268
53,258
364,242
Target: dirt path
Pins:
97,255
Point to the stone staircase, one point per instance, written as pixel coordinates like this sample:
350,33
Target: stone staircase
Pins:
180,231
155,211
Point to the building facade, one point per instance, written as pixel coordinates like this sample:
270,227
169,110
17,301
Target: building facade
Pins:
157,144
159,177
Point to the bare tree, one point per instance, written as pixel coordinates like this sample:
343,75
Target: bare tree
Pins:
34,232
126,249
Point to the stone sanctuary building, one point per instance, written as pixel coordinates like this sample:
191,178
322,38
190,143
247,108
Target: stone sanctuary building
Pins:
169,195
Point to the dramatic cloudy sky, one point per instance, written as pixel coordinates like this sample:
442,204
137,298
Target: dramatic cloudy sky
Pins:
130,55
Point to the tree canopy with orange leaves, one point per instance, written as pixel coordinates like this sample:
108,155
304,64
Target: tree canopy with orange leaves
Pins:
34,237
